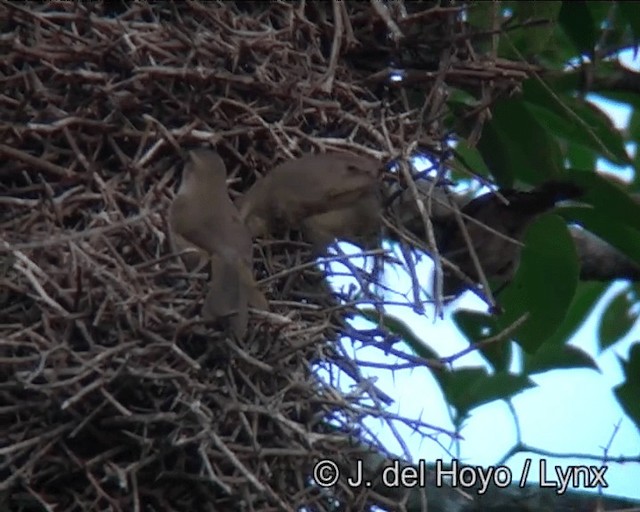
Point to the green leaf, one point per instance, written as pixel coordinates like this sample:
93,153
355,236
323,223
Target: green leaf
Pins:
577,22
607,198
600,13
481,14
629,391
530,40
460,102
544,285
580,157
499,156
585,299
627,394
617,320
631,368
468,388
553,357
461,97
554,352
634,125
631,14
576,120
478,327
603,129
468,159
515,142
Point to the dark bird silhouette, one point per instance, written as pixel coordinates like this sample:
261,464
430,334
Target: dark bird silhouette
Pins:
496,229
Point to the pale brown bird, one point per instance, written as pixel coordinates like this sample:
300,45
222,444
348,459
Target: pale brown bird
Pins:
499,256
308,186
202,214
358,224
194,258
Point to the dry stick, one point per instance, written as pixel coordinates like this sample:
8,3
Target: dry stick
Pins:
324,259
363,277
92,479
502,335
406,236
36,162
113,401
61,124
76,149
39,499
370,130
382,11
245,471
474,257
134,489
417,303
415,282
351,39
6,247
434,364
437,261
42,17
273,318
23,472
327,83
416,423
248,358
411,19
212,475
27,443
352,369
431,238
164,131
82,393
423,214
26,270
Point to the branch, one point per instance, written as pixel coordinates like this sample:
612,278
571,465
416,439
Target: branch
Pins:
599,261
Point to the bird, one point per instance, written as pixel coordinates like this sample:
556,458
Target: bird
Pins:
496,234
194,259
202,214
358,224
309,186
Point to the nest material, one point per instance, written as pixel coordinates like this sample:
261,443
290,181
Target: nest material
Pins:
112,394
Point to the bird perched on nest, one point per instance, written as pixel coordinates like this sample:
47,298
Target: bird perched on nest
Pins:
202,214
326,196
358,224
496,229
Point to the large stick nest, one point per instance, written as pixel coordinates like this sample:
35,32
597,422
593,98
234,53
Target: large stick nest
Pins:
114,395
